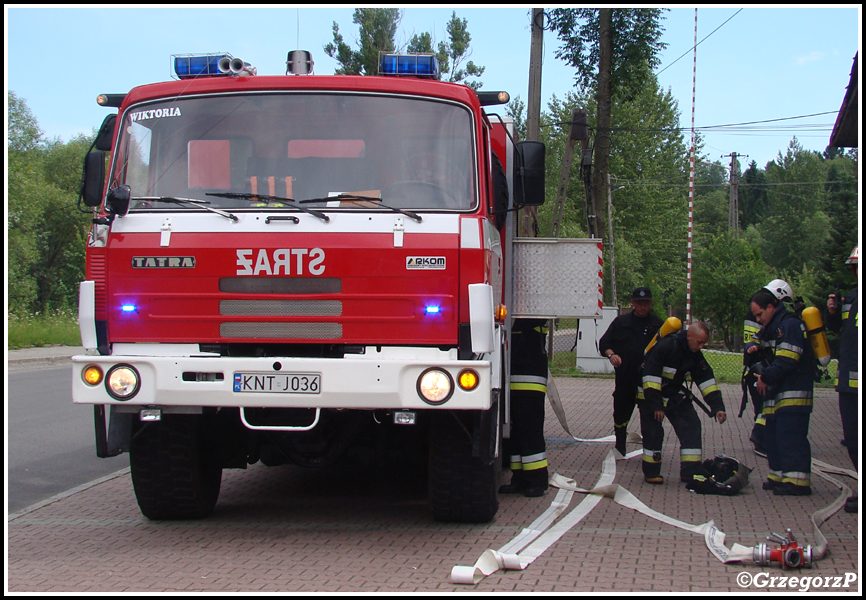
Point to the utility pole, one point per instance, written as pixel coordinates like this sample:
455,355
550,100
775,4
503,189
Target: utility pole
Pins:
610,235
577,132
603,121
533,107
734,205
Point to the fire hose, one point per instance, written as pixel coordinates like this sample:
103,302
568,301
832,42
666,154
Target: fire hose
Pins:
534,540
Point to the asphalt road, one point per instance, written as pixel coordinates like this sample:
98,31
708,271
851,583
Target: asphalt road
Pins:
50,440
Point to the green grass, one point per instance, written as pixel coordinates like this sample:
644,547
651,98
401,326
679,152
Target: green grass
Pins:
56,329
727,367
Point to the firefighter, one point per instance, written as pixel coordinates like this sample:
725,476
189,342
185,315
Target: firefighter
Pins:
846,321
752,354
623,345
665,395
526,446
786,384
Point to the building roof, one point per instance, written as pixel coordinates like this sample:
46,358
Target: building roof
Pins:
845,133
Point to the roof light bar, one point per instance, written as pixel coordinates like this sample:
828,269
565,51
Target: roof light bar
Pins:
412,65
188,66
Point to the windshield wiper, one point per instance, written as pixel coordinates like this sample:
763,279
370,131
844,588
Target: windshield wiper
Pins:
375,199
202,203
265,198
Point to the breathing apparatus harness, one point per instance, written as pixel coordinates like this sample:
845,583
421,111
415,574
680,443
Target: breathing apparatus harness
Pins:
756,362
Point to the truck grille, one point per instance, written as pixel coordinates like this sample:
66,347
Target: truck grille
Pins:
96,272
310,331
281,285
281,308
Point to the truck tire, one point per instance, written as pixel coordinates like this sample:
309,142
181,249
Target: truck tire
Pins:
462,488
173,472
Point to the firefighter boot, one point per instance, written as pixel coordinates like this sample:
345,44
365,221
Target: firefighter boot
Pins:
621,435
517,485
536,483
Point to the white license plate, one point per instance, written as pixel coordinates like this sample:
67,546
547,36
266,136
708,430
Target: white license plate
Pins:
280,383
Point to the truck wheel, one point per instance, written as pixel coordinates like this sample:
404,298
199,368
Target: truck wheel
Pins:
173,472
462,488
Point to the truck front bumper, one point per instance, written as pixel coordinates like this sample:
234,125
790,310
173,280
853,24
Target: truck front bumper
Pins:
380,378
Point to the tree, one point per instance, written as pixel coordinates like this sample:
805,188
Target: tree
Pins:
842,211
376,30
24,132
650,165
753,198
726,274
611,49
516,109
796,230
452,54
458,51
712,200
46,234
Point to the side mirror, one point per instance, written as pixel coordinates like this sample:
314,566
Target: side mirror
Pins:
94,178
529,174
117,200
106,134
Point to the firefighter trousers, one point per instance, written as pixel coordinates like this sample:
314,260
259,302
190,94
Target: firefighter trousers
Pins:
624,401
757,435
526,447
848,410
789,455
687,427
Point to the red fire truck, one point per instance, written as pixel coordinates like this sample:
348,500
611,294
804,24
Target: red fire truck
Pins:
284,267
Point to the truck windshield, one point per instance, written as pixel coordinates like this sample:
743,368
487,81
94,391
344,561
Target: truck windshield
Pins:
327,150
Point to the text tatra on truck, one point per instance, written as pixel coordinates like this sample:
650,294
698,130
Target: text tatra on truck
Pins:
281,268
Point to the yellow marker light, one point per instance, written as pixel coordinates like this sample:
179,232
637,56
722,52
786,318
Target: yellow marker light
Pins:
467,380
500,313
92,375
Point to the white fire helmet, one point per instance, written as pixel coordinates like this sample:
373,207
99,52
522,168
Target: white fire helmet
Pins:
780,289
854,258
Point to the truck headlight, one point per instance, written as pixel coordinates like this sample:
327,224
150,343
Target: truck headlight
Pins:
435,386
122,382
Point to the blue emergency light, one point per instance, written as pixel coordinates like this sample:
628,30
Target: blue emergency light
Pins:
413,65
432,309
187,66
128,308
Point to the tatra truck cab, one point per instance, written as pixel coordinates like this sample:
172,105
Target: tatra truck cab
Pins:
284,267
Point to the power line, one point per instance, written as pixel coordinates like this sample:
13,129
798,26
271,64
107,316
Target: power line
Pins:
832,112
699,43
670,129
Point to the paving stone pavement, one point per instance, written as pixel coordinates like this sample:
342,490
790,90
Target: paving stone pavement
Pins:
340,529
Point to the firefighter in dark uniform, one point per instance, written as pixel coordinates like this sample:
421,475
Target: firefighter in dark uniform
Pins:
846,320
786,385
752,354
526,446
623,344
665,395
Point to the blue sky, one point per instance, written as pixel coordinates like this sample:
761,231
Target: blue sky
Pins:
763,64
